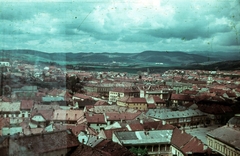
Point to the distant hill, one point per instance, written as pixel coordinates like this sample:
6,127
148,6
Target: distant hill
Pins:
172,57
165,57
224,65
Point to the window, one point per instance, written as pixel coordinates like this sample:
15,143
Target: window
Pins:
162,147
155,148
149,148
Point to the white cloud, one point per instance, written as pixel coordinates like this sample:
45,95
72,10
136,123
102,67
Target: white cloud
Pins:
124,25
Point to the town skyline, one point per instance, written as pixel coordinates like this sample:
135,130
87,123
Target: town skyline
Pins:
120,26
58,110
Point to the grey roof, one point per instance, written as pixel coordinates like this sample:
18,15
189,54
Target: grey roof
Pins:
227,135
50,98
234,121
168,114
10,106
2,138
46,107
169,83
145,137
26,89
93,141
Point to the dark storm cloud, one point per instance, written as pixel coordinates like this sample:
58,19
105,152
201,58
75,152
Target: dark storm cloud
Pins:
189,30
15,11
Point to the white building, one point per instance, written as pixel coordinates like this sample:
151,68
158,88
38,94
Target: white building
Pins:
4,64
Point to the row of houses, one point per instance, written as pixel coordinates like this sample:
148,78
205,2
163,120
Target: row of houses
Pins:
120,108
49,118
62,142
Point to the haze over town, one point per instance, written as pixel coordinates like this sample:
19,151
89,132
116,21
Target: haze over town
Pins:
120,77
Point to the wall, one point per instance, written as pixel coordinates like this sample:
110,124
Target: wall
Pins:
221,147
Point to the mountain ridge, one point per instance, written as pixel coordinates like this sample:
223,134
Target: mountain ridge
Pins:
148,56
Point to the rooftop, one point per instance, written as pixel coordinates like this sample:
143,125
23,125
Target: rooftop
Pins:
10,107
47,142
168,114
228,135
143,137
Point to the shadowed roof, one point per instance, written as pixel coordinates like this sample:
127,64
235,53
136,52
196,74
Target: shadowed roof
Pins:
48,142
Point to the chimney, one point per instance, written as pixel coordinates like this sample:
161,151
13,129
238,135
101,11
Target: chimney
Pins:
183,131
146,132
163,122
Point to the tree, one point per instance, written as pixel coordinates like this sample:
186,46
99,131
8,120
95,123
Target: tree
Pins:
74,84
139,151
139,74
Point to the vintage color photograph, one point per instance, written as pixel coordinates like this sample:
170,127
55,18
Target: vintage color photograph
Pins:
120,77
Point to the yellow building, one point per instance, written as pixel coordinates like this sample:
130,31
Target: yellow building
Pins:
133,102
225,140
137,103
117,93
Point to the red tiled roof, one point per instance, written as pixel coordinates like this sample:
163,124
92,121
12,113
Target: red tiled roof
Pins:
157,99
217,91
46,114
181,97
199,82
190,92
180,138
100,103
83,150
157,125
231,94
108,133
214,108
165,127
67,115
76,129
136,100
81,96
93,94
151,106
55,92
89,107
151,125
26,104
91,131
202,97
115,116
186,142
47,142
136,126
217,98
95,118
113,148
67,95
5,99
194,146
40,94
4,122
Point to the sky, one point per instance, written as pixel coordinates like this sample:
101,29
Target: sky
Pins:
120,25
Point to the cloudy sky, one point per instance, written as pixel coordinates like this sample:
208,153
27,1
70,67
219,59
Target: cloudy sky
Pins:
120,25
